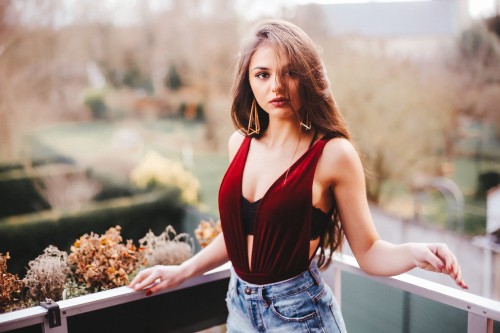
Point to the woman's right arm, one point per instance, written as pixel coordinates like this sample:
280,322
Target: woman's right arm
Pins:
158,278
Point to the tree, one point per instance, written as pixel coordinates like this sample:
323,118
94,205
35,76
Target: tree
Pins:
173,79
478,63
398,111
5,39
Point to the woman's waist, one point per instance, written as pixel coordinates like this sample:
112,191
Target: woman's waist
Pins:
313,248
278,285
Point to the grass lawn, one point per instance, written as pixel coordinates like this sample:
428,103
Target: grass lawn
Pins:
117,147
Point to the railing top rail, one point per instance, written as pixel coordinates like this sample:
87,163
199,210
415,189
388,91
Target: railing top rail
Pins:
466,301
96,301
457,298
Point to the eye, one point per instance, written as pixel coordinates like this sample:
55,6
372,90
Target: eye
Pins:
291,72
262,75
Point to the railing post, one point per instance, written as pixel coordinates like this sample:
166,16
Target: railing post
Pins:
479,324
59,329
337,284
55,321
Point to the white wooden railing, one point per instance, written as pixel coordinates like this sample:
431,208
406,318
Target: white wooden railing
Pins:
481,311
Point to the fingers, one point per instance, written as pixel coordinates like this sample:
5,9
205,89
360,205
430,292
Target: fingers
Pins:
161,285
146,278
456,273
435,263
459,280
156,279
442,251
449,264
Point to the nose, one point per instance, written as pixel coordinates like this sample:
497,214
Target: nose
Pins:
277,84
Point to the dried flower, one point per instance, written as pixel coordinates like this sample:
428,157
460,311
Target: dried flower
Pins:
164,250
103,262
47,274
207,231
155,169
11,287
72,289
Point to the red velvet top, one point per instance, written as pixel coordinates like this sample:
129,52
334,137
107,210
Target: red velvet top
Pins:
283,220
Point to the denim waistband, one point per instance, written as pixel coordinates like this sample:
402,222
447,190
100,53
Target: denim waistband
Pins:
290,286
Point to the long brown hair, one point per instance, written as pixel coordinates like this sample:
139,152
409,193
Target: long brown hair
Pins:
318,104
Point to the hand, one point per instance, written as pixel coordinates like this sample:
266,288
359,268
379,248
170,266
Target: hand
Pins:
437,257
157,278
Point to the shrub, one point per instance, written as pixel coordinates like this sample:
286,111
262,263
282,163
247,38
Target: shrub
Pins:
200,112
72,289
485,182
173,80
168,248
18,195
11,287
207,231
96,263
66,190
157,171
25,236
47,274
9,166
104,262
94,100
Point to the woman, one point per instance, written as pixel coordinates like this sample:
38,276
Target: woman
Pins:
294,188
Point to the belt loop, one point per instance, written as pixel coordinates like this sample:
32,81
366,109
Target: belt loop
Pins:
263,295
236,284
315,274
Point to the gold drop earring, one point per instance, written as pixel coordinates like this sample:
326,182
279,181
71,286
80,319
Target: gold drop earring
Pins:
254,116
306,124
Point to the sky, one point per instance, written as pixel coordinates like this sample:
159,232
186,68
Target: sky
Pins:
125,12
481,8
477,8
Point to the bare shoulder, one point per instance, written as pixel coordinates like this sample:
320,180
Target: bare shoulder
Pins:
340,150
340,158
234,143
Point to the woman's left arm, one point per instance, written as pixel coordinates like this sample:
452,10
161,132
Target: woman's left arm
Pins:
376,256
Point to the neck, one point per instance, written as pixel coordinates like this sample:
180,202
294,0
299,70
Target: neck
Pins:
282,133
286,135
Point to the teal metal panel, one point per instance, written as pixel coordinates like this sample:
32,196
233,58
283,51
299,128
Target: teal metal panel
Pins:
369,306
428,316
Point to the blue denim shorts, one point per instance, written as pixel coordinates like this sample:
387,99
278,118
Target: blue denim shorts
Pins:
301,304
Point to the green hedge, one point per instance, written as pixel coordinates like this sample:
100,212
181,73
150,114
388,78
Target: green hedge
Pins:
18,195
54,158
9,166
26,236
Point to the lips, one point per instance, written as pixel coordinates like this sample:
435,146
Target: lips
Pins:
279,101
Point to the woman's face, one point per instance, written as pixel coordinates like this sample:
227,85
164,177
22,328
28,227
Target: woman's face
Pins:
274,83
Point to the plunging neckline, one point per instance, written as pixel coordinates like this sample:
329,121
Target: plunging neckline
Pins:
288,170
250,259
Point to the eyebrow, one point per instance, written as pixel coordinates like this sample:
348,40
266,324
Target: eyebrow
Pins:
260,68
288,67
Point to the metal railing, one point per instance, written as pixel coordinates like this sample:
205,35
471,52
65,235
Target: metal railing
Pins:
481,312
123,296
